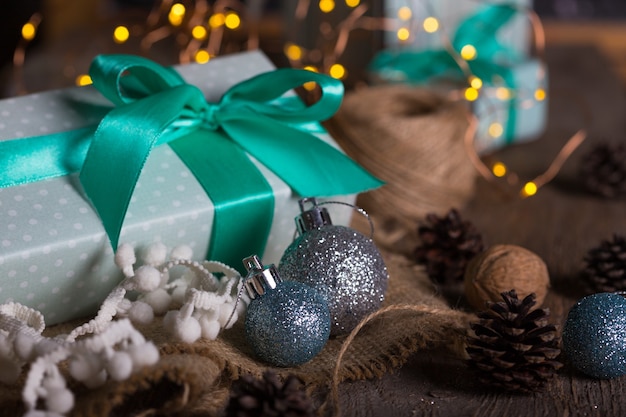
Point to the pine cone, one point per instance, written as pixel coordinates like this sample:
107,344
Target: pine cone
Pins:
268,397
605,269
603,170
514,348
448,244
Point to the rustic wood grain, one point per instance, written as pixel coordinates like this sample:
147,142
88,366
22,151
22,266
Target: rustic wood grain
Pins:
561,223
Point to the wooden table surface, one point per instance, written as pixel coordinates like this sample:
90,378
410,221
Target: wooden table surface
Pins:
561,223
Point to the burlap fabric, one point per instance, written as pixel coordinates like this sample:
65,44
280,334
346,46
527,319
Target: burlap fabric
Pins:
194,379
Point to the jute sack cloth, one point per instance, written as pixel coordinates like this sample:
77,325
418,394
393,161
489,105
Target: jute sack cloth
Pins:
194,379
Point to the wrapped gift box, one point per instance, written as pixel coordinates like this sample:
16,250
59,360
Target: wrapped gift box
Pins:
512,115
511,106
54,253
515,34
511,110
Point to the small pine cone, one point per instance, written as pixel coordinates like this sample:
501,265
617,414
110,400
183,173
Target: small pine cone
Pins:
268,397
514,347
605,266
448,244
603,170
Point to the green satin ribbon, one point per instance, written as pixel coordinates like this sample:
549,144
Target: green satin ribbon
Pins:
493,60
156,106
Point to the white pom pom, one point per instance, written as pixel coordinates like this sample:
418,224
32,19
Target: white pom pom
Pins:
85,367
225,312
188,330
182,252
185,329
210,328
169,321
147,278
60,400
155,254
5,346
159,300
141,312
9,371
55,382
120,366
143,355
178,295
97,380
45,346
125,258
24,346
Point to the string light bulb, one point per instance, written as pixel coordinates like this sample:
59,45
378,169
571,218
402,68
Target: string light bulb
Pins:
530,189
327,6
83,79
476,82
468,52
216,20
540,94
201,56
431,24
503,93
403,34
353,3
232,21
471,94
495,130
121,34
176,14
337,71
199,32
499,169
293,52
404,13
29,31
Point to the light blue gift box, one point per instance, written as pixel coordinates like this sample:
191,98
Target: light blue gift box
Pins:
449,14
54,253
510,100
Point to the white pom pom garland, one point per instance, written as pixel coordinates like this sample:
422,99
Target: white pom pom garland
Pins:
196,304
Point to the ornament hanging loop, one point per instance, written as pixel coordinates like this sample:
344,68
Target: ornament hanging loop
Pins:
355,208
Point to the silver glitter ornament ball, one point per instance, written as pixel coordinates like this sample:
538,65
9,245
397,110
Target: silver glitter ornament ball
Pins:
287,323
594,335
345,266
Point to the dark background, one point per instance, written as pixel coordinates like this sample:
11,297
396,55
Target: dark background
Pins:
59,14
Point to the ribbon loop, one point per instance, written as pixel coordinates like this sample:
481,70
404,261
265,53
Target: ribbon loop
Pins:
126,78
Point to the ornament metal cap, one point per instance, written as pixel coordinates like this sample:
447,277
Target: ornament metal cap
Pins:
260,279
313,218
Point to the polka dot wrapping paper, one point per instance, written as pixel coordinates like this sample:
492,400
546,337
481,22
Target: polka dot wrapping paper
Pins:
54,253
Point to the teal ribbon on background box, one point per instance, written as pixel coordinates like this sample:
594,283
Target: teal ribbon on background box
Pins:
495,64
155,106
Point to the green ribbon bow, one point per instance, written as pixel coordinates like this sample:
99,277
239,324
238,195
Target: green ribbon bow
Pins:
493,60
154,106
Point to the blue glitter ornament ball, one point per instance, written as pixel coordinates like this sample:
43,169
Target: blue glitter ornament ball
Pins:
594,335
287,323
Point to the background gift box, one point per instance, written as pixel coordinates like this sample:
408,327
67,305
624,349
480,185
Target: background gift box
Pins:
54,253
415,16
506,88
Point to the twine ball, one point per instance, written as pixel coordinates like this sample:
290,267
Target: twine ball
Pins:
502,268
411,138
